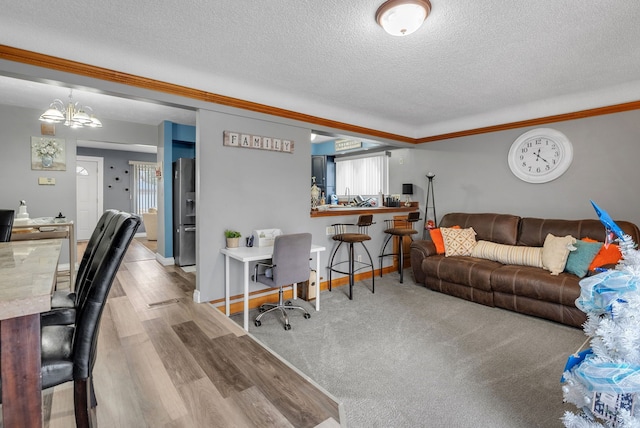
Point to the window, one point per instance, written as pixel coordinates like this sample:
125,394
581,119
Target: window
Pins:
363,175
145,186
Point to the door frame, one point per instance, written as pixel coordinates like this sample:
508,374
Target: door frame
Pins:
100,184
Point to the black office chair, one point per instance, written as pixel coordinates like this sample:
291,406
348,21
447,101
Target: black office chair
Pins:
63,302
399,228
350,234
69,351
6,224
289,265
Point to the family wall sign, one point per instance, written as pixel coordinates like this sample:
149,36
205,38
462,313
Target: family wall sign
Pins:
249,141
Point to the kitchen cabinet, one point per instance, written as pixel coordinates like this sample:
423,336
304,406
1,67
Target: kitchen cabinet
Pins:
323,168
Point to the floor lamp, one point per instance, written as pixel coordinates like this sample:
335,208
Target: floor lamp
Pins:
430,221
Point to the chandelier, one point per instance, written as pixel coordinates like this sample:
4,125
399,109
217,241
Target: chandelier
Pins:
73,115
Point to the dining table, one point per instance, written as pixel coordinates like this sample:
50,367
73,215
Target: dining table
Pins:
27,279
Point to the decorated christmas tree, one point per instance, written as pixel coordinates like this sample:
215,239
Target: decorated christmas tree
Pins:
603,381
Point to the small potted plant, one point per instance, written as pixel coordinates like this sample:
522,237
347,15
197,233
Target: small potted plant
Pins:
233,238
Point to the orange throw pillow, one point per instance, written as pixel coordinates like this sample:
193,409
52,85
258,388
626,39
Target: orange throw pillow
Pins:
606,256
436,237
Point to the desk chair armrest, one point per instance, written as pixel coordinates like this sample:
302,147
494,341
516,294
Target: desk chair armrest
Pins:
258,264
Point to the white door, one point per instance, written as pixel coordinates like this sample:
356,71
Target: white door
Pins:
88,194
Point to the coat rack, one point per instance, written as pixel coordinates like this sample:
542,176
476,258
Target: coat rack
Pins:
430,221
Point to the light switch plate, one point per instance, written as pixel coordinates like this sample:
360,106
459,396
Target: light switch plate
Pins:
46,181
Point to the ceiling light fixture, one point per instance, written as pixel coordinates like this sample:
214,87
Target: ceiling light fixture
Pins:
72,115
402,17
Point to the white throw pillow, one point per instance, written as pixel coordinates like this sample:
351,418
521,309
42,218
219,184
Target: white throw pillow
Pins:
555,252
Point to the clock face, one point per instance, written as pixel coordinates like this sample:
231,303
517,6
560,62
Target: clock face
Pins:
540,155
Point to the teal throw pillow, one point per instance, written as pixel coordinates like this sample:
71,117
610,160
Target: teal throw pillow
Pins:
580,259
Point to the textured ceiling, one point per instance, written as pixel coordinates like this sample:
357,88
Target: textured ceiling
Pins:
472,64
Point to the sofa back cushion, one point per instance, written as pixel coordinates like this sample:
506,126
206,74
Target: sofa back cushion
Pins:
499,228
533,231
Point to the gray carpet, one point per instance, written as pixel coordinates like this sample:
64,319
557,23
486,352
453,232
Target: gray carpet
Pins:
407,356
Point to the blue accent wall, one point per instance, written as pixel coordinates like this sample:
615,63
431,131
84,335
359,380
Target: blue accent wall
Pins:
179,142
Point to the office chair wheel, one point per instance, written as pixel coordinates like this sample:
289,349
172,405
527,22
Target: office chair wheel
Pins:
307,316
258,323
287,326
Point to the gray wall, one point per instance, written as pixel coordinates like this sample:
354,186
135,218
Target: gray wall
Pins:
17,126
245,189
118,175
472,173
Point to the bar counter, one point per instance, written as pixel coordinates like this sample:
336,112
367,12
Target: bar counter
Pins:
333,212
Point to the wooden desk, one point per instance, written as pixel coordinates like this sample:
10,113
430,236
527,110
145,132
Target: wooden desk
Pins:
63,230
27,277
254,254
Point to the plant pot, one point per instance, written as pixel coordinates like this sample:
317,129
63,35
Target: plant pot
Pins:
233,242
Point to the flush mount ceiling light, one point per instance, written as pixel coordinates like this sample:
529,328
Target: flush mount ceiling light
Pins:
402,17
72,115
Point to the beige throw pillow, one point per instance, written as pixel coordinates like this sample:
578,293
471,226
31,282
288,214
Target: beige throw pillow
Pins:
555,252
508,254
458,242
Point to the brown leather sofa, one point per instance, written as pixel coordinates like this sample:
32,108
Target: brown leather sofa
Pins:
529,290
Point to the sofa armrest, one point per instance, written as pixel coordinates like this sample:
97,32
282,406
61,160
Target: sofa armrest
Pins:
420,249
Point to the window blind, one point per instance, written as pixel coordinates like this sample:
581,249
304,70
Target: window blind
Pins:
145,186
366,175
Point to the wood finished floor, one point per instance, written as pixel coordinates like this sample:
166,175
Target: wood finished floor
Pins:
181,364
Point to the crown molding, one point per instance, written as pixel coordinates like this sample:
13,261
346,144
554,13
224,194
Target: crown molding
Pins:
60,64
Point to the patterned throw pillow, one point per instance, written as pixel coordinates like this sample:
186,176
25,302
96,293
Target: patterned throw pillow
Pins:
555,252
438,241
508,254
458,242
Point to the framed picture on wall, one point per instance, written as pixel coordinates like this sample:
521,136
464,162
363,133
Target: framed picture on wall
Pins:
48,153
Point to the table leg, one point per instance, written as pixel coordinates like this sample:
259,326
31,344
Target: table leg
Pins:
21,378
246,296
317,281
226,285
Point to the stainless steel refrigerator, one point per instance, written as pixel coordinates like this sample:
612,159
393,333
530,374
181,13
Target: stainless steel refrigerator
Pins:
184,212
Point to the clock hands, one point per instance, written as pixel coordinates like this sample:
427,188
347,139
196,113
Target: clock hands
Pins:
538,155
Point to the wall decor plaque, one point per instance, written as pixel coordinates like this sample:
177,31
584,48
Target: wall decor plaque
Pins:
250,141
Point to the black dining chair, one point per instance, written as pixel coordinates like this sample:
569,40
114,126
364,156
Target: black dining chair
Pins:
6,224
63,302
69,351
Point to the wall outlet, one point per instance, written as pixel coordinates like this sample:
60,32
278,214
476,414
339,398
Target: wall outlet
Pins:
329,230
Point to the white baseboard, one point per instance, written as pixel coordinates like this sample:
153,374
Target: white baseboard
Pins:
165,261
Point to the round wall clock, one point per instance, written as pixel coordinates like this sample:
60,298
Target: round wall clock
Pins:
540,155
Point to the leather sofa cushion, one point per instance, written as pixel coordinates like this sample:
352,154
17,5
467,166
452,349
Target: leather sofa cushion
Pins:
536,283
463,270
533,231
500,228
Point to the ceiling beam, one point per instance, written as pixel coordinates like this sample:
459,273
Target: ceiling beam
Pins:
60,64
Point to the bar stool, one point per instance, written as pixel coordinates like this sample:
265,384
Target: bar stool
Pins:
400,229
344,233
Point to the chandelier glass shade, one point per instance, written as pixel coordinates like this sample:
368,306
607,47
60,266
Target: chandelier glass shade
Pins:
402,17
72,114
